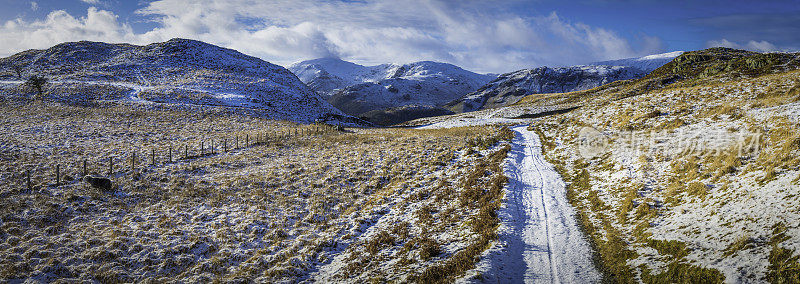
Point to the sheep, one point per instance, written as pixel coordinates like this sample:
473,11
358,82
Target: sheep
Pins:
98,182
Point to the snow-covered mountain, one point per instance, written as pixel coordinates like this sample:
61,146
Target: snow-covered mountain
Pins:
357,89
324,75
645,63
178,71
511,87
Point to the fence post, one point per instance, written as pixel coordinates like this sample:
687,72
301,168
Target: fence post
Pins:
201,148
153,156
247,140
28,179
110,165
185,151
85,172
58,175
170,153
225,144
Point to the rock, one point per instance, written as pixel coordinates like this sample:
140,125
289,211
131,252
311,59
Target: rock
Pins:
98,182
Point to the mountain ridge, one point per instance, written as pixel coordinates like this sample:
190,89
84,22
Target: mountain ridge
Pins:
394,88
178,71
511,87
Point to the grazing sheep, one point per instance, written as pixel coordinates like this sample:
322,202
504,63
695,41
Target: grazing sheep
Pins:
98,182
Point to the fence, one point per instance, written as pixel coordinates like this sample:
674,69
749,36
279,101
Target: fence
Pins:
171,155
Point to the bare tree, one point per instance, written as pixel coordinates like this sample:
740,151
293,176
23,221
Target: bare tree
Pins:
37,83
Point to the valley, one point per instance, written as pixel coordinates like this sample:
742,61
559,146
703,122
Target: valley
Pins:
679,167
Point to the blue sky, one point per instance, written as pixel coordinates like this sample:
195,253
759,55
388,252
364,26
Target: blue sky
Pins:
484,36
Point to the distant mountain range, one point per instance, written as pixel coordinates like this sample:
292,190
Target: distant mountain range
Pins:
188,72
511,87
178,71
645,63
357,89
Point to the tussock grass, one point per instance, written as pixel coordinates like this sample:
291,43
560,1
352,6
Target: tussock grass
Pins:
482,191
291,200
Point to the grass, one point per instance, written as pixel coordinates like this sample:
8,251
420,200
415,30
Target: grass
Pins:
482,191
784,266
681,272
288,199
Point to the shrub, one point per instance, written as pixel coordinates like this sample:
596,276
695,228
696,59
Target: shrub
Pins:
379,241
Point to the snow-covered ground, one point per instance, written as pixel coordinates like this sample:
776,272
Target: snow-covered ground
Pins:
539,239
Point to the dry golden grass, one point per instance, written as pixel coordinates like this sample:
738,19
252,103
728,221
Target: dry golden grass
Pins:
269,212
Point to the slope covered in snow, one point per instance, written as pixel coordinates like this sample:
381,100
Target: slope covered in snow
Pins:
178,71
645,63
511,87
357,89
691,172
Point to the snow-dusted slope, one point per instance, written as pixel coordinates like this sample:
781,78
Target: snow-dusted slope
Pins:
511,87
324,75
357,89
646,63
177,71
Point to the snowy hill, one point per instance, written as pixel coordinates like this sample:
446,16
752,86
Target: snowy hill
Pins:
178,71
356,89
511,87
646,63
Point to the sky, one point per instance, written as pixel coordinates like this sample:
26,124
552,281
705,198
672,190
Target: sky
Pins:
482,36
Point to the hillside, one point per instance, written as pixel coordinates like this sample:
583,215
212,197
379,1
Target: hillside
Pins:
694,68
326,75
176,72
511,87
646,63
688,174
357,89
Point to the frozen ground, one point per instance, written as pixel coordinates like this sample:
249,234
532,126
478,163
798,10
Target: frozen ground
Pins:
539,240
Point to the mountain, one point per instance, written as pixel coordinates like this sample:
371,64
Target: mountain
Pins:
179,71
357,89
511,87
324,75
646,63
690,69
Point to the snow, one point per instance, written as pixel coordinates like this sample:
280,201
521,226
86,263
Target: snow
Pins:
511,87
646,63
178,71
357,89
539,239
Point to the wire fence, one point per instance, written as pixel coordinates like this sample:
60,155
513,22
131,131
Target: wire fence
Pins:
119,165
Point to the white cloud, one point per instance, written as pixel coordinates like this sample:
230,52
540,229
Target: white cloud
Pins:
34,6
475,35
91,2
59,26
759,46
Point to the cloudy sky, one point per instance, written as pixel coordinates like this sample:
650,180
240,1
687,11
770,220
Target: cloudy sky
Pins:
483,36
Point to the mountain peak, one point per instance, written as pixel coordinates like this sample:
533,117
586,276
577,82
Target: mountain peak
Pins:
175,72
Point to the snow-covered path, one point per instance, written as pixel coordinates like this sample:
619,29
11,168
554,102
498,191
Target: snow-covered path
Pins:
539,240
